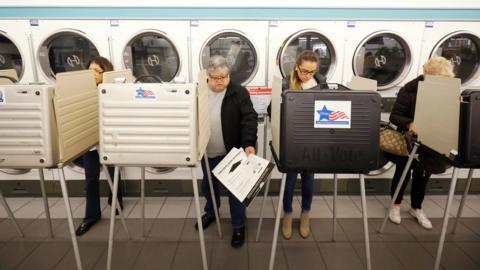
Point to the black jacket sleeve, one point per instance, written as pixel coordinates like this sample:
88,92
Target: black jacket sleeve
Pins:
400,112
248,122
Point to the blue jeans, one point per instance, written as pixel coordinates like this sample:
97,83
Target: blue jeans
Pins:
307,191
237,209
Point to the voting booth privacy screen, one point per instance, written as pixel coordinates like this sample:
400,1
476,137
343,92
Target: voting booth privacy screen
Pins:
470,127
148,124
44,125
329,131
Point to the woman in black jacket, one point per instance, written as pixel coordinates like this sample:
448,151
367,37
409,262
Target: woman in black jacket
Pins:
402,116
233,123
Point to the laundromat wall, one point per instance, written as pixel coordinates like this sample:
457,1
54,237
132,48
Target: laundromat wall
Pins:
259,41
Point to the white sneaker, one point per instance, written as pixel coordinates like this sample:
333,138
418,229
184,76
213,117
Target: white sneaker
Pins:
421,218
394,215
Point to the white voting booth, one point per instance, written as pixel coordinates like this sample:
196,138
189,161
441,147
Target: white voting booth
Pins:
154,124
48,126
437,120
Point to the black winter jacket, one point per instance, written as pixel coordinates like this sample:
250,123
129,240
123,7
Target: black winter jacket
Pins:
239,119
404,108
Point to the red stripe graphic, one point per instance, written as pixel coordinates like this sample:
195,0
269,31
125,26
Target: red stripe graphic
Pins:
337,115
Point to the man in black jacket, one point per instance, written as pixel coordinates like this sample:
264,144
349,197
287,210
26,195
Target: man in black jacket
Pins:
233,123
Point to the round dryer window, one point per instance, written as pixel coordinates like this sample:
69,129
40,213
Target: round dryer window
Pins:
463,50
239,52
306,40
10,57
65,51
152,57
384,57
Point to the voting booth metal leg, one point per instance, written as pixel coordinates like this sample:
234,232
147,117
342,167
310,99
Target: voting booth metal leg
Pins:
142,199
199,217
277,222
260,216
212,195
335,192
399,186
10,215
120,211
45,202
464,199
71,227
446,214
365,221
112,217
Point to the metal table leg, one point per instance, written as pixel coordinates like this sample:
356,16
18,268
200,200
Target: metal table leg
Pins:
277,222
446,214
212,195
400,184
142,199
71,227
260,217
365,222
199,218
112,216
335,192
119,208
464,199
11,216
45,202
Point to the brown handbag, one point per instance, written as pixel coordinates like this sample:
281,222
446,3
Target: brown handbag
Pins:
393,142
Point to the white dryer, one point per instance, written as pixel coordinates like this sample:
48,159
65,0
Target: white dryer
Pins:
287,39
457,41
242,43
386,51
15,50
152,48
68,45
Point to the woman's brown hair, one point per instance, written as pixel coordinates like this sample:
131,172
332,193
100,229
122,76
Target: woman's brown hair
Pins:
103,62
307,55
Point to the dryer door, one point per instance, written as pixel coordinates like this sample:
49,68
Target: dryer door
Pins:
306,40
240,54
65,51
10,57
384,57
152,54
463,50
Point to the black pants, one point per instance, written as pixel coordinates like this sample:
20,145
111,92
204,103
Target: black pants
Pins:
91,162
419,183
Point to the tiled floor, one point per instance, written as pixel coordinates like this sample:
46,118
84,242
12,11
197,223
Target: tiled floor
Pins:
172,242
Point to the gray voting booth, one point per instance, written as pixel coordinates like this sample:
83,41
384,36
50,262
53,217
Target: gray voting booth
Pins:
154,124
450,129
48,126
324,131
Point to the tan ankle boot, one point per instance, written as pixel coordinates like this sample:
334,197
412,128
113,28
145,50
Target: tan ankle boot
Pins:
287,226
304,225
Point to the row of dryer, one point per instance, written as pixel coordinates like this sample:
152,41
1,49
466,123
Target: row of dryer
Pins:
391,52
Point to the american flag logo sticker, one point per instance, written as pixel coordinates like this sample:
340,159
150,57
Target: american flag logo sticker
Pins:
332,114
144,94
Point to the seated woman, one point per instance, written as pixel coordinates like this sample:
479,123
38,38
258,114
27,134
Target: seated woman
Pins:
402,116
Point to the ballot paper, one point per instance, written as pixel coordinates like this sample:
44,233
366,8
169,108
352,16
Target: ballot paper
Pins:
244,176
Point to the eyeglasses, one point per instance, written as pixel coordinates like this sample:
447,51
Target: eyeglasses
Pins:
218,79
306,72
97,70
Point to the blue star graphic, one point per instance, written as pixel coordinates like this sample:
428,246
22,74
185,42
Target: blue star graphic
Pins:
324,113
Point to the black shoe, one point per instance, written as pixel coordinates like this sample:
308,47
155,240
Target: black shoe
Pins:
238,237
84,227
206,221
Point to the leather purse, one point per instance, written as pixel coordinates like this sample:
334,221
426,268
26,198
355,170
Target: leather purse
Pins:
393,141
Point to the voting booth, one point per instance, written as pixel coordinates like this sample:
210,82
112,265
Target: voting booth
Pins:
324,131
447,121
154,124
48,126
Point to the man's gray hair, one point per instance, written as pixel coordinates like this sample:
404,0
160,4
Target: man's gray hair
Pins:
217,63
